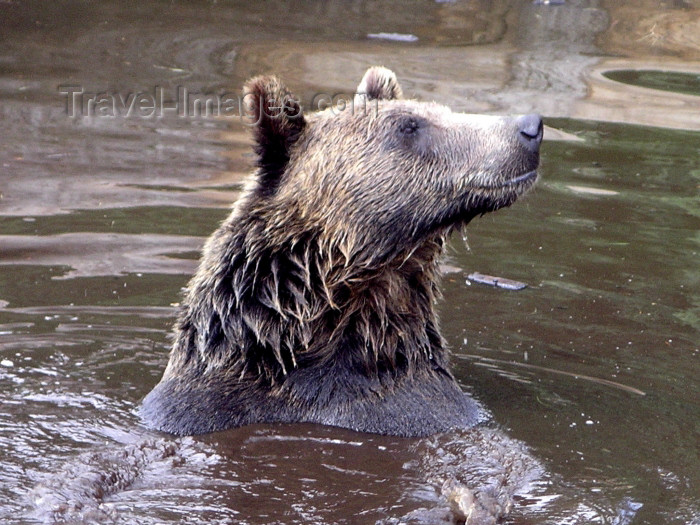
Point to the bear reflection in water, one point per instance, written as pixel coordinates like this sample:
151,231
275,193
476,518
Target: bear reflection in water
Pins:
314,302
299,474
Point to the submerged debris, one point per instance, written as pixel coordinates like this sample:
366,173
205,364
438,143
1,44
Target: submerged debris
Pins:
396,37
498,282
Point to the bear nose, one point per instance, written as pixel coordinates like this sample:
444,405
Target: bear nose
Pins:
530,130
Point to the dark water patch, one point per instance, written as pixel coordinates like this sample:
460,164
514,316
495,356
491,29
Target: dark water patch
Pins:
29,286
247,23
160,188
674,81
192,256
102,254
163,220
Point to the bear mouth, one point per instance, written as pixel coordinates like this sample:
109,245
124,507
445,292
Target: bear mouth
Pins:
520,179
516,183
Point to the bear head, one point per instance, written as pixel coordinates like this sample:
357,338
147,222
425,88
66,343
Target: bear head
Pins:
385,174
314,300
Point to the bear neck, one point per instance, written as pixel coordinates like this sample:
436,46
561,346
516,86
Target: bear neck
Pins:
264,310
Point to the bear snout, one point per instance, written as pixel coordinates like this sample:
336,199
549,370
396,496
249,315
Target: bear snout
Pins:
530,131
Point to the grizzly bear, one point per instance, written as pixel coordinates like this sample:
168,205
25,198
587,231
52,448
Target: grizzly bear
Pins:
314,300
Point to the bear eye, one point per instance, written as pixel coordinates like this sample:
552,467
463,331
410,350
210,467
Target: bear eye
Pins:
409,126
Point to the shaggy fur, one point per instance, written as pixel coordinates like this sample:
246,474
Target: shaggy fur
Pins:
314,301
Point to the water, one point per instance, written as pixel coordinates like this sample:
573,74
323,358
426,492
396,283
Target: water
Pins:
688,83
593,367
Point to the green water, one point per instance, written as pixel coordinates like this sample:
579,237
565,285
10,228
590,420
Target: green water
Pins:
675,81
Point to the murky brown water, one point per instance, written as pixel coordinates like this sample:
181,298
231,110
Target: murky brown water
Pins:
594,366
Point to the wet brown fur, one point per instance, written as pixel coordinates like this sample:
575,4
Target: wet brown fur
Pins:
314,301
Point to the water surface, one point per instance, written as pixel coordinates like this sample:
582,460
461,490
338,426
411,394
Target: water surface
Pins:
594,366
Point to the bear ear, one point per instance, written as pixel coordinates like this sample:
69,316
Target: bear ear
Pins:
277,119
379,83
